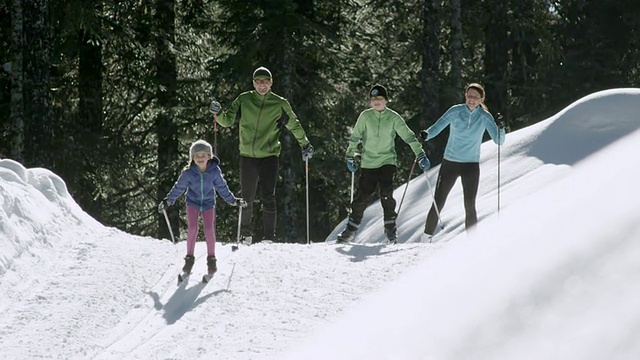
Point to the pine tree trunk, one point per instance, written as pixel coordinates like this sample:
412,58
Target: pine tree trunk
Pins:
430,46
455,48
167,132
291,207
90,115
37,80
496,60
17,78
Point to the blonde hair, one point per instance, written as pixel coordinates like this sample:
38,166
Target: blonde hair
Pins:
479,89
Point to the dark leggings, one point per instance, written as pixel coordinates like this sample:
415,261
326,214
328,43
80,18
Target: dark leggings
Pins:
449,173
265,171
369,180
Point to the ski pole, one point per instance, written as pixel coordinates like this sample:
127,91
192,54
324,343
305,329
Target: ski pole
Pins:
435,205
215,125
499,117
406,187
353,182
306,167
173,240
236,246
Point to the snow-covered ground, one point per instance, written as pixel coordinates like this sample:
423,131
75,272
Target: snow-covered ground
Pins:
553,275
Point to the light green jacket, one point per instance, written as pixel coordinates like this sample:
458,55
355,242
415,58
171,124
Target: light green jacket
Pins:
377,131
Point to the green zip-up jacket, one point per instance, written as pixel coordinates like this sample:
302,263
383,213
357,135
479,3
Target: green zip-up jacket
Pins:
377,131
261,119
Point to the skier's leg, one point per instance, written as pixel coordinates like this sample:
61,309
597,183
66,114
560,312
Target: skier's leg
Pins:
248,186
268,180
470,180
209,227
192,233
192,228
367,183
446,179
385,176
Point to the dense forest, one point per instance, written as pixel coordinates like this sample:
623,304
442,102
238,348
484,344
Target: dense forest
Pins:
110,94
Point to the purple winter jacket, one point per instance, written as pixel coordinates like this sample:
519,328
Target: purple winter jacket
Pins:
201,187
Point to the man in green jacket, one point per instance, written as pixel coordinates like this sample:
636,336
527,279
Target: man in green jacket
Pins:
261,116
375,131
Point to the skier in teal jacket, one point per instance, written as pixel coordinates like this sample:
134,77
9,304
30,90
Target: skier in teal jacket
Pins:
467,123
375,131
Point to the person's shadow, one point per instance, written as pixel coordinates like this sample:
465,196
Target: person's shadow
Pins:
182,301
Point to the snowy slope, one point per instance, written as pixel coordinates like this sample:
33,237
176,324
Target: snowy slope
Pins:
550,277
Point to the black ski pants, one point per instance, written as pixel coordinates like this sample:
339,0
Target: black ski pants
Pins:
265,172
449,173
370,180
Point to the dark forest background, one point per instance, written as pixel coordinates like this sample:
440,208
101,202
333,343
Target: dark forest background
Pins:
110,94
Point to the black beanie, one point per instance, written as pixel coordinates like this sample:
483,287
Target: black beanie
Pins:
261,73
378,90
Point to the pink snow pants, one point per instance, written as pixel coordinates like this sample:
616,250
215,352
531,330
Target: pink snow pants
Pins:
209,225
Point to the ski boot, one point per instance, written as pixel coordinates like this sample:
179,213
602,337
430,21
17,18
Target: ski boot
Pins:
186,269
392,235
347,235
247,240
211,265
211,268
188,264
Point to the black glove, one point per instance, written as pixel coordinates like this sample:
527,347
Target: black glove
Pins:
240,202
215,107
307,152
423,135
162,207
500,121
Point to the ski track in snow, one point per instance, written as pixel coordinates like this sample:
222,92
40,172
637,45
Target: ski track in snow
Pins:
239,292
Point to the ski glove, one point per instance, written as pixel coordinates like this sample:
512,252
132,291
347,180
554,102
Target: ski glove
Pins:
423,135
423,161
500,121
162,207
307,152
215,107
352,164
239,202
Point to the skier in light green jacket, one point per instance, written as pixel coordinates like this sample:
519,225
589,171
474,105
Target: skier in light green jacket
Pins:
375,131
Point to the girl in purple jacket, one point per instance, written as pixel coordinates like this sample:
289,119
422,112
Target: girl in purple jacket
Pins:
200,179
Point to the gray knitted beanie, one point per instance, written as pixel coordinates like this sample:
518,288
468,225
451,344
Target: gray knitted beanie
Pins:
200,146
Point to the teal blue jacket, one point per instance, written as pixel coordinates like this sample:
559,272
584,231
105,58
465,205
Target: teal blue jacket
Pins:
466,129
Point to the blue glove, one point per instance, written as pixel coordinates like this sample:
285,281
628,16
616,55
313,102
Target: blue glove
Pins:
215,107
307,152
352,164
423,161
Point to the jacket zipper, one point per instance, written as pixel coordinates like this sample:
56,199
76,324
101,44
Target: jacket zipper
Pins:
201,190
255,135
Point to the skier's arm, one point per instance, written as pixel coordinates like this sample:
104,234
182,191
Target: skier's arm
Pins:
407,135
294,125
441,123
178,188
498,135
356,137
230,115
220,184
